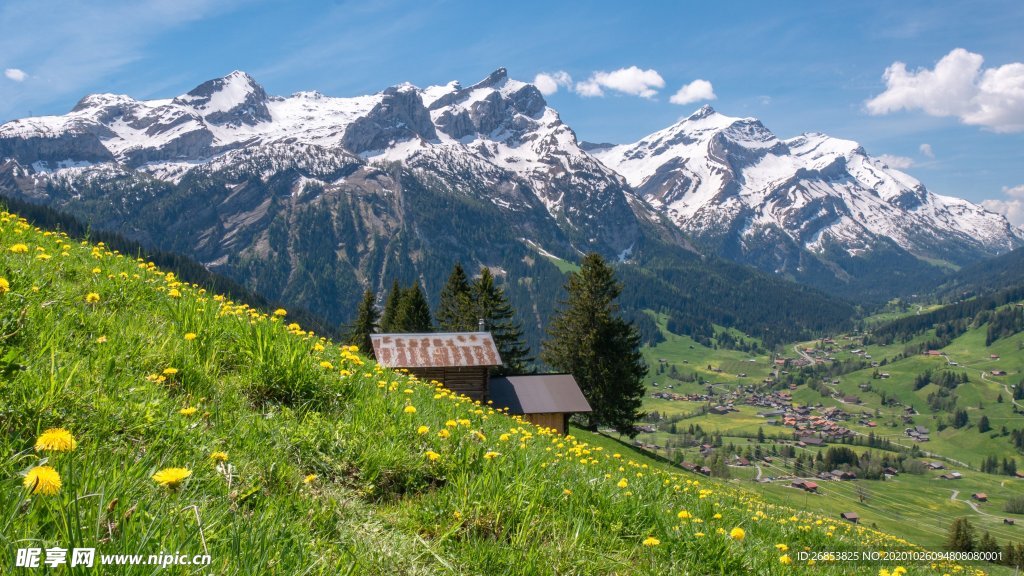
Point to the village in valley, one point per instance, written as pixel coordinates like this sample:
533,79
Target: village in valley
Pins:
843,425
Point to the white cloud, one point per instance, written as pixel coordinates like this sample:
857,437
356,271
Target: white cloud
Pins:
632,81
694,92
548,83
926,151
957,86
15,74
897,162
1012,207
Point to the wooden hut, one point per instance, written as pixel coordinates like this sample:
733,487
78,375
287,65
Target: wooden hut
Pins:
850,517
544,399
459,360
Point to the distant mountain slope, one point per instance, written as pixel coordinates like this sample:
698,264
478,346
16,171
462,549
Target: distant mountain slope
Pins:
814,208
993,274
311,199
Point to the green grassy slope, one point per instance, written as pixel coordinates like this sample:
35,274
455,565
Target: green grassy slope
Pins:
334,465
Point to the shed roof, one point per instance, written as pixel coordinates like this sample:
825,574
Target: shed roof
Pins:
435,350
538,394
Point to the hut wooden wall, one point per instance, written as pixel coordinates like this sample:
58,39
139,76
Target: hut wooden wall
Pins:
471,381
556,420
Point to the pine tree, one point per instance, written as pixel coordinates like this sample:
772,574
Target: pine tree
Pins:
490,304
590,340
455,310
961,536
365,324
983,424
387,320
988,543
413,314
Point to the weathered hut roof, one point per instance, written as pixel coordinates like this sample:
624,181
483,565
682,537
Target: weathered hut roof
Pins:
435,350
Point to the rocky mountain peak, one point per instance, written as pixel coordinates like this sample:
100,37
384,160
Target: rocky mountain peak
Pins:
232,100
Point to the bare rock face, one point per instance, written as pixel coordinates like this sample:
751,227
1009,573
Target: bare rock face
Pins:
67,147
399,116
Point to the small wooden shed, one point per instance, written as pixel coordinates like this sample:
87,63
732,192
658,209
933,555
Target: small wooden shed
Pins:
544,399
459,360
850,517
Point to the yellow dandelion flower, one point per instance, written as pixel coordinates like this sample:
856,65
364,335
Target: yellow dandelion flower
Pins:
683,515
188,411
92,298
280,312
19,249
42,480
782,548
432,456
190,336
444,433
899,571
219,456
451,423
170,371
101,340
326,365
567,492
651,541
717,516
309,479
737,534
785,559
96,270
490,455
171,477
410,409
423,430
623,483
56,440
5,286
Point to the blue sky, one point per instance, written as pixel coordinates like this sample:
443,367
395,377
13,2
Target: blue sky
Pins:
952,118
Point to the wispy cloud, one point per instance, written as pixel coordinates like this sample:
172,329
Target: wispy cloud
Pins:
16,74
633,81
71,46
549,82
1011,205
694,92
897,162
959,87
926,151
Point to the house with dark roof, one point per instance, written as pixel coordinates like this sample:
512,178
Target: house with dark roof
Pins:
544,399
850,517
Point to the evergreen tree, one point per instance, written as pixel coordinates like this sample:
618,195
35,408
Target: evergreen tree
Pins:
988,543
961,536
455,310
387,320
983,424
365,324
590,340
491,304
413,314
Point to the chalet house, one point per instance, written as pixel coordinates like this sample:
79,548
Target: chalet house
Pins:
805,485
999,372
812,441
720,410
850,517
890,471
951,476
980,496
462,362
935,465
545,399
740,461
1019,474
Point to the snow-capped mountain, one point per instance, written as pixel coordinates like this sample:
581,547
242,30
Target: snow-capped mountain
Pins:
472,171
732,183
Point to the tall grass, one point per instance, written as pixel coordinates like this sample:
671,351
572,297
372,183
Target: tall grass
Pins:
334,464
